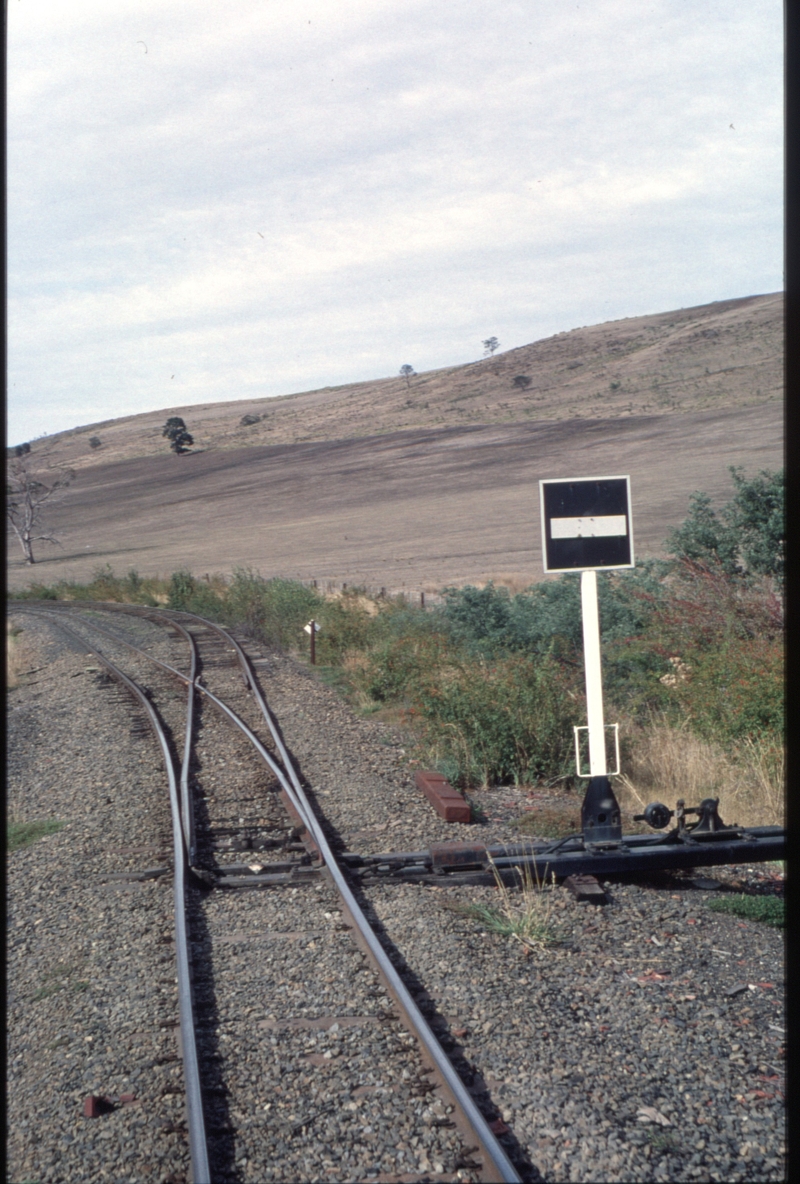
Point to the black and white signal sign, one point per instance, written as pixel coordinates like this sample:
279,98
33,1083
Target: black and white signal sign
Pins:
586,524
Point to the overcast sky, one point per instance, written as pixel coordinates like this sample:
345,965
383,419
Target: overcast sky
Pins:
265,196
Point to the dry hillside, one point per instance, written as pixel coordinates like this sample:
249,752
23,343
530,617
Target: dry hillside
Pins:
413,488
722,355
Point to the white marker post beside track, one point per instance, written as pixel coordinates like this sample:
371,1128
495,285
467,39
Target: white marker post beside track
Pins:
594,675
313,628
586,528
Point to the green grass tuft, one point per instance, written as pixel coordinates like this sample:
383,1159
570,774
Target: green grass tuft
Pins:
524,915
663,1140
22,834
770,910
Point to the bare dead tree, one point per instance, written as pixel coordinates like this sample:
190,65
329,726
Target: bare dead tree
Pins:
27,494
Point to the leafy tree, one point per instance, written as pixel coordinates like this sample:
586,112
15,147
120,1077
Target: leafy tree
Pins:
704,536
522,381
26,496
179,439
757,514
490,345
407,373
748,533
95,442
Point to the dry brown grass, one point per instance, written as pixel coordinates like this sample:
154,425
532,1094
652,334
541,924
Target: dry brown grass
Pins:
668,762
18,655
525,913
515,583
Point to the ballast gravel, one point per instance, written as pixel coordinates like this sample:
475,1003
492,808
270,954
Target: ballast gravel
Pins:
647,1045
91,990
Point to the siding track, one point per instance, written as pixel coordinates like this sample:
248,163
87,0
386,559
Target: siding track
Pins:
207,812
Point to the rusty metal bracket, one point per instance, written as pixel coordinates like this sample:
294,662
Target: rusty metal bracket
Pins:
447,857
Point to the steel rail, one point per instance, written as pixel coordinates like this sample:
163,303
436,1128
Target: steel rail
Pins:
497,1165
187,805
301,807
498,1168
198,1148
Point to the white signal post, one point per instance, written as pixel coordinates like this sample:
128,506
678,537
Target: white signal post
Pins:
586,528
594,677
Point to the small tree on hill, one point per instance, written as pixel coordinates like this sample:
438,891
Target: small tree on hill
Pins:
175,431
26,496
407,373
490,345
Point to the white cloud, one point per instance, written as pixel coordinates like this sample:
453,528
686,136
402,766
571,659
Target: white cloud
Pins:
422,175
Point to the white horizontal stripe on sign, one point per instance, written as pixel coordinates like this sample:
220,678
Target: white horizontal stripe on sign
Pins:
588,528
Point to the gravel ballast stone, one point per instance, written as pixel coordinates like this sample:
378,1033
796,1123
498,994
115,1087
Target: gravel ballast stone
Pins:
649,1005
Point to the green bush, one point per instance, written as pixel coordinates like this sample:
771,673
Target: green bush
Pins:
748,534
546,618
735,692
274,610
189,595
104,585
508,720
182,588
37,592
715,648
401,664
207,603
345,626
757,514
133,583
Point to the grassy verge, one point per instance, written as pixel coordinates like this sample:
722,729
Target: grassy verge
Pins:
667,761
488,684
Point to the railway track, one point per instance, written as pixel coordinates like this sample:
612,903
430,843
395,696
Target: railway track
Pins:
181,674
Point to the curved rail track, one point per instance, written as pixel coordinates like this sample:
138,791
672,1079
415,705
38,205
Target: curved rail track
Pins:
188,847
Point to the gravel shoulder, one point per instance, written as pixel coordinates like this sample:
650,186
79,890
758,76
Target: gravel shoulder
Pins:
91,990
652,1001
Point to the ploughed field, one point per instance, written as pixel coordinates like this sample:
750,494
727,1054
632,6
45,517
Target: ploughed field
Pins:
416,486
411,510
